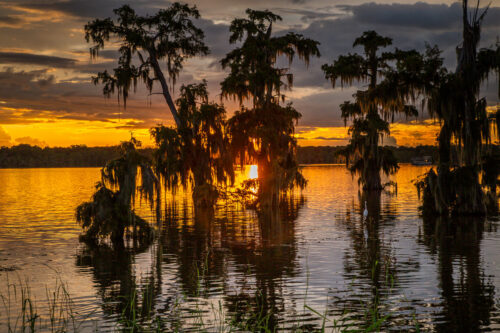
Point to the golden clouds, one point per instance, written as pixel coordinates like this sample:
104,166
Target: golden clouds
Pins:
411,134
415,133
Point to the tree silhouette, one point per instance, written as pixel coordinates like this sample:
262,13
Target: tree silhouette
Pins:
110,213
466,130
264,132
169,35
390,90
197,148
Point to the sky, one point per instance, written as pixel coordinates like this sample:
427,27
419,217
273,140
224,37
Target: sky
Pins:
47,98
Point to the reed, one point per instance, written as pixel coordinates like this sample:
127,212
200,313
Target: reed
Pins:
23,314
139,314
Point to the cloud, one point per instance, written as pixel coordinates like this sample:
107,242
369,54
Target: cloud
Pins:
389,141
92,8
64,91
4,138
10,21
35,97
420,15
308,15
331,138
35,59
27,140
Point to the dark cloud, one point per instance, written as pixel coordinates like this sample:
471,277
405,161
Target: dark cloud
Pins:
216,37
410,26
93,8
35,59
322,109
73,97
419,15
308,15
10,20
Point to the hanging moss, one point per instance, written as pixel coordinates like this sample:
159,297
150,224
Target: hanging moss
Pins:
263,133
467,129
110,212
394,81
196,152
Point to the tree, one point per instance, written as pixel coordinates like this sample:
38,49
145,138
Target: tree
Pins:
466,130
197,149
169,35
110,212
392,81
264,132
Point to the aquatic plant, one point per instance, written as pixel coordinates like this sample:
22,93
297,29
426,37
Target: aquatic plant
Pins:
466,131
264,133
110,212
21,313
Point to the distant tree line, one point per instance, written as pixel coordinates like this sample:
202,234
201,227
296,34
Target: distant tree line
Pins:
333,155
26,156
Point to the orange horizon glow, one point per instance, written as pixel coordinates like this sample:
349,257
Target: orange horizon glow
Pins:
65,133
68,132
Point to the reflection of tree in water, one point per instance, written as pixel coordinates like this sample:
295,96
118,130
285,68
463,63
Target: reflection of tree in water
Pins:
246,254
273,261
116,277
369,256
467,293
370,263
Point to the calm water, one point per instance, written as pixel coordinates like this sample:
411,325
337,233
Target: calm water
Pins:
317,250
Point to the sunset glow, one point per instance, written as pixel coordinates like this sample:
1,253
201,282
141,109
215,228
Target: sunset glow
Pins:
47,97
253,172
198,165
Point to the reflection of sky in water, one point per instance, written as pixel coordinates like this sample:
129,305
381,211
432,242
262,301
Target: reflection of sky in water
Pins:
320,248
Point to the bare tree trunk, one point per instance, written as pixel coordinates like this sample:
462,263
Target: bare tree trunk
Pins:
164,86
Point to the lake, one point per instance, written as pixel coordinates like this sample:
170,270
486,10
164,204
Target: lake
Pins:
315,257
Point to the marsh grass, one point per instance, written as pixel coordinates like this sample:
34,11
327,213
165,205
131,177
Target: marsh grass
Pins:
23,314
186,313
251,315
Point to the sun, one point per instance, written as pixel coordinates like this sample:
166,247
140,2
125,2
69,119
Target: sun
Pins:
253,173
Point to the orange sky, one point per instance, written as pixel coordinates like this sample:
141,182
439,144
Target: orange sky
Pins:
95,133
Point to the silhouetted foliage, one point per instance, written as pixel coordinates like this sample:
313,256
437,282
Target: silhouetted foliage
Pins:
392,80
169,35
26,156
264,133
466,128
110,212
195,151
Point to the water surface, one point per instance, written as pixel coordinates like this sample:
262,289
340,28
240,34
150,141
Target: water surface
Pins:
316,250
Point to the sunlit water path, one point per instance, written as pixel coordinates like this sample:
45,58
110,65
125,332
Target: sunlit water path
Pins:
317,250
